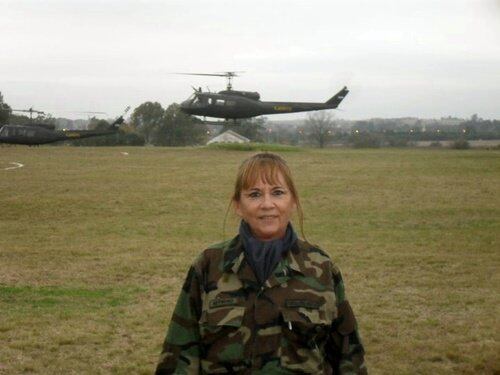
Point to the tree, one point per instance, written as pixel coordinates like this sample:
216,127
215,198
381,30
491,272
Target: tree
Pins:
5,111
475,118
320,127
147,118
167,127
179,129
129,136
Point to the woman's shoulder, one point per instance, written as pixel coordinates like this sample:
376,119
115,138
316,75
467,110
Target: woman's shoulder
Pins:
310,248
317,255
215,253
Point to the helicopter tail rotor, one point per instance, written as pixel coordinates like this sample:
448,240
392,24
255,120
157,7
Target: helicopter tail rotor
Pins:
120,120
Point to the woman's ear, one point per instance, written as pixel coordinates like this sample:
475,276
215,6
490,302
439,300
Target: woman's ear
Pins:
237,208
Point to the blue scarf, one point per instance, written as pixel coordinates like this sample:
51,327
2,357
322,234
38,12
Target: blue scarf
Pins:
264,256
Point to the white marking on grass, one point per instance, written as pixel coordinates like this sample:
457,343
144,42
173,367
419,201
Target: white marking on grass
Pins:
124,153
15,166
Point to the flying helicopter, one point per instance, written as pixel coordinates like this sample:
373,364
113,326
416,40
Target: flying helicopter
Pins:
36,134
234,104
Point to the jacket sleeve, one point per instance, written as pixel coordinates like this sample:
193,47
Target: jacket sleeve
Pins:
345,350
181,349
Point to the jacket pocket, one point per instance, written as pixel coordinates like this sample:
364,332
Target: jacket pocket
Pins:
304,332
223,339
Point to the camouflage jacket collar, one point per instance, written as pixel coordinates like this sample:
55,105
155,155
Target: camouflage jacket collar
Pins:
292,264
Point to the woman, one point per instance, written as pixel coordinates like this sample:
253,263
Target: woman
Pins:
264,302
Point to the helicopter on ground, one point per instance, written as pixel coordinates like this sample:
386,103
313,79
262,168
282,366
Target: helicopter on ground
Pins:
34,134
234,104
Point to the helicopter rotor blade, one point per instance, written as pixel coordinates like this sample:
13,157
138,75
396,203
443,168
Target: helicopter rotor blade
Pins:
231,73
31,110
89,112
217,74
203,74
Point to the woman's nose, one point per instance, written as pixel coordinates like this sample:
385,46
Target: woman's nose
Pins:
267,201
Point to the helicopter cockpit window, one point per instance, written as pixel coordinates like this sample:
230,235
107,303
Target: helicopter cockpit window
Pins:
4,132
200,100
220,102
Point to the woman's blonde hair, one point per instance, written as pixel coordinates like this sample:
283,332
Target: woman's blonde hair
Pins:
266,166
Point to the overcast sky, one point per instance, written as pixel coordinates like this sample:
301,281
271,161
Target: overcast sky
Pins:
425,58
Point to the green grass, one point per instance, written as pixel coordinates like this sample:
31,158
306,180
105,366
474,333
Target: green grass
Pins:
94,247
271,147
27,299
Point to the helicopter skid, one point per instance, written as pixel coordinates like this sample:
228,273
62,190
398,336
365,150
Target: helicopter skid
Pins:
221,122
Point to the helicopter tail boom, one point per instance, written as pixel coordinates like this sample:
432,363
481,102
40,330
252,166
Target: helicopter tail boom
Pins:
335,100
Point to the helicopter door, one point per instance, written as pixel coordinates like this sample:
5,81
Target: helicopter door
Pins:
4,132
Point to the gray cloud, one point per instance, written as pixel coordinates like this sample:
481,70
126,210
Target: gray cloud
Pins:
421,58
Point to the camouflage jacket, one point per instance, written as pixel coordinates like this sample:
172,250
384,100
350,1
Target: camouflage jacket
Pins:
298,322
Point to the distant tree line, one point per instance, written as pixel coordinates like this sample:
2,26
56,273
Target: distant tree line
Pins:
366,134
322,130
151,124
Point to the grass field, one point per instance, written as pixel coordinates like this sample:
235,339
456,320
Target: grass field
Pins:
95,244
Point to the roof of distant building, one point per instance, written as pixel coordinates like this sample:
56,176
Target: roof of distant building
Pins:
229,136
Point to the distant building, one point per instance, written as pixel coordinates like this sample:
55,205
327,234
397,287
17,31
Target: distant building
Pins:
410,121
228,137
451,120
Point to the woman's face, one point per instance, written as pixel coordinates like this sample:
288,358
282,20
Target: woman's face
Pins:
267,208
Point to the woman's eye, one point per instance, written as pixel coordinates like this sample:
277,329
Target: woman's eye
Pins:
254,195
278,192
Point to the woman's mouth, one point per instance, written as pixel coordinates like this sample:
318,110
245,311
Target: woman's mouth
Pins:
268,217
